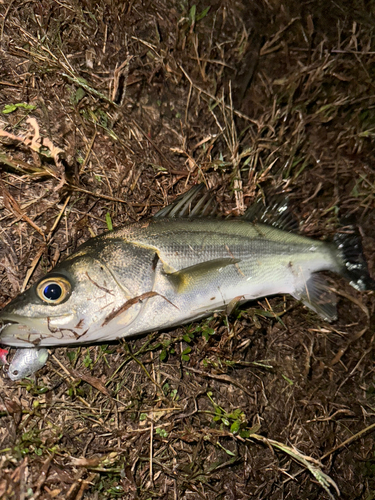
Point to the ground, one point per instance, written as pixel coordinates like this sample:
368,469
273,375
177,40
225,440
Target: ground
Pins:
108,111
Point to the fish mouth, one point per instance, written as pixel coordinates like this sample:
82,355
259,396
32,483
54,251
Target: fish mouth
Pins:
21,331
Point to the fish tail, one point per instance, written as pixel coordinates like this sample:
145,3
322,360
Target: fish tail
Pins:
352,260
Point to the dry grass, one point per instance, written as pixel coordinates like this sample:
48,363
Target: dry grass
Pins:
134,103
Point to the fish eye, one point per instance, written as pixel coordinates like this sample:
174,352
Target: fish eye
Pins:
53,290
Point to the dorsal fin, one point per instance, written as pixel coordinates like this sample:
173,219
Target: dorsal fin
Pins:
275,213
197,202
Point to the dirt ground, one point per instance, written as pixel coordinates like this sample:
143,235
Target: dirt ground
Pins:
109,110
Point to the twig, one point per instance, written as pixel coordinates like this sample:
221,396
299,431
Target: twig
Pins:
58,218
349,440
88,153
32,267
224,378
237,113
4,19
154,146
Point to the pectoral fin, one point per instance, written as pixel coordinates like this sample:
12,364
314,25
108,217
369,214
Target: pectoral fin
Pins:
316,295
198,275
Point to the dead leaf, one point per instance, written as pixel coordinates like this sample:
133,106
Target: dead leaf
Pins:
33,141
86,462
93,381
10,406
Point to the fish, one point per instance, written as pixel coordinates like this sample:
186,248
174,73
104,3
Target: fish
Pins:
181,265
25,362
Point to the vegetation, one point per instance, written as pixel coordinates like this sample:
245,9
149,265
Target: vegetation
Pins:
110,109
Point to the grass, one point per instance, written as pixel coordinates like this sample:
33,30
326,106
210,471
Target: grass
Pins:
129,106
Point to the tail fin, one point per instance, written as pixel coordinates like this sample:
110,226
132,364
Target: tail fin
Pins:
354,265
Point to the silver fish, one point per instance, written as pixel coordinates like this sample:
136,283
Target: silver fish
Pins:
25,362
179,266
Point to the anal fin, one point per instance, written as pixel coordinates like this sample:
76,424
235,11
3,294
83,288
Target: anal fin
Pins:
316,295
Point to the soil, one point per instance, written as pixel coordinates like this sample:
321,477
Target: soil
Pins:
108,111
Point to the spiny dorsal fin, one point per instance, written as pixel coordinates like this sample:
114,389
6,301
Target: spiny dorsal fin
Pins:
197,202
275,213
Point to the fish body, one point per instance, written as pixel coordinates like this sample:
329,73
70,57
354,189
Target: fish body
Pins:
27,361
170,270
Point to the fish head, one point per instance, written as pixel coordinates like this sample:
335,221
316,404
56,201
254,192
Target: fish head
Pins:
66,306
